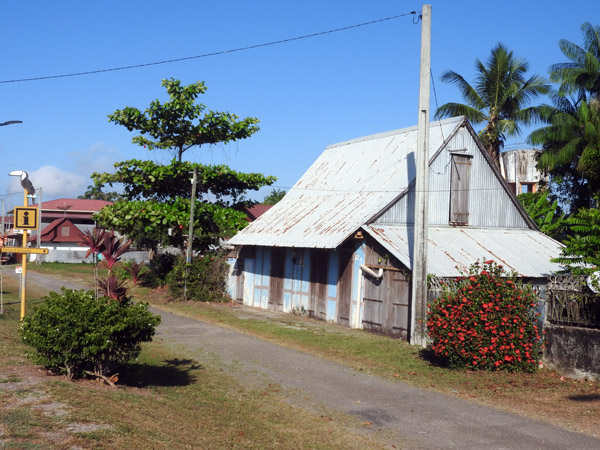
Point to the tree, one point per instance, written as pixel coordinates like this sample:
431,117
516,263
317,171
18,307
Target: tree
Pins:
274,196
571,151
498,99
156,206
581,75
179,124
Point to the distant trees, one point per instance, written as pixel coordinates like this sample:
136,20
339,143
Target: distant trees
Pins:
499,98
274,196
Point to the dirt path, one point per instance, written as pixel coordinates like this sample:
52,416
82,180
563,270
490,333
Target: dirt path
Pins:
406,416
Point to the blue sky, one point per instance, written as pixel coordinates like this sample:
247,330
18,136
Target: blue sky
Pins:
307,93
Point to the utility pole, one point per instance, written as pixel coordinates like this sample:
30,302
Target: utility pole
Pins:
418,310
188,252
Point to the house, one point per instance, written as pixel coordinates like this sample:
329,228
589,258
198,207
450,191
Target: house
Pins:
62,222
338,246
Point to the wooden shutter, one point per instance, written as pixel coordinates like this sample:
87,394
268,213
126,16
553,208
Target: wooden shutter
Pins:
459,189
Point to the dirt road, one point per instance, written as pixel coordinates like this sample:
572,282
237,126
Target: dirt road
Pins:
405,416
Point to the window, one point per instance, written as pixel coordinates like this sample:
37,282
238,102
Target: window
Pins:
459,189
64,231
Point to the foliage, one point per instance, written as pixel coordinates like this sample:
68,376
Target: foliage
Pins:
485,321
112,249
159,268
274,196
206,278
74,333
156,205
546,215
581,254
571,149
179,124
571,142
114,287
498,98
94,239
581,75
135,271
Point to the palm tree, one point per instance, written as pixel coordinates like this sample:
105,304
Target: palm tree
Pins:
571,149
580,76
499,98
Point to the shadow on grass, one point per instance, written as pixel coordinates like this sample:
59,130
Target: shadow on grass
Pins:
174,372
428,355
585,398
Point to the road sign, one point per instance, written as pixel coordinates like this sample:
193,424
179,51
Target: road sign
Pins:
26,217
41,251
19,269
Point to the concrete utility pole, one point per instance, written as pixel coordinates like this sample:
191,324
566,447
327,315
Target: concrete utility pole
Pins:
188,253
418,310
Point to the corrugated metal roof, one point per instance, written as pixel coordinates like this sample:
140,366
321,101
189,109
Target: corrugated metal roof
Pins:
527,252
347,185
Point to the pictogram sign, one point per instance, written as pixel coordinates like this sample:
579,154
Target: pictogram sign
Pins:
26,218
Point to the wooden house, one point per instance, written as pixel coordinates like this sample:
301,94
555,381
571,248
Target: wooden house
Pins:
338,246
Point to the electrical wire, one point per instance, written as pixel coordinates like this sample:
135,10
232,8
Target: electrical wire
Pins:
206,55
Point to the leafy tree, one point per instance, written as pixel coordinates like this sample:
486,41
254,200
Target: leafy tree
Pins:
498,99
274,196
157,206
581,253
581,75
546,214
179,124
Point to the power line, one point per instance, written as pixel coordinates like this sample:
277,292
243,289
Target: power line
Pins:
222,52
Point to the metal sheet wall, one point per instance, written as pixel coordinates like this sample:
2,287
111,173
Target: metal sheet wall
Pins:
490,205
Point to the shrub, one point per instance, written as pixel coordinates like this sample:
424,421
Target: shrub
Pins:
159,268
206,279
74,333
486,320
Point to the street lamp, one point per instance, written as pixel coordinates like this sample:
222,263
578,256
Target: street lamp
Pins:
10,122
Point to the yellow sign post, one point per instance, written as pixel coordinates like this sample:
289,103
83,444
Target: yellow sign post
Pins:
25,219
28,250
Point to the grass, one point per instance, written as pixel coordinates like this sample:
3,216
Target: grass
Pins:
164,400
544,395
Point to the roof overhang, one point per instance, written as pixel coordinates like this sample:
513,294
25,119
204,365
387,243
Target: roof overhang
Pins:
451,250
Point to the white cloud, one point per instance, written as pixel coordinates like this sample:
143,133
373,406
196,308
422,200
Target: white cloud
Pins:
55,183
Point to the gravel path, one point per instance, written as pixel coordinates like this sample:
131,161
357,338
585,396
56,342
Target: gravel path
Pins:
409,417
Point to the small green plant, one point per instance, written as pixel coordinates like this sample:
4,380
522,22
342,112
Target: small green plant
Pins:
486,321
159,268
206,278
74,333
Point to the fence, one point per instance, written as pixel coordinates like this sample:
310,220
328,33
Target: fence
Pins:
570,302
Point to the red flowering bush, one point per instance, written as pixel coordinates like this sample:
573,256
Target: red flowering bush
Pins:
486,321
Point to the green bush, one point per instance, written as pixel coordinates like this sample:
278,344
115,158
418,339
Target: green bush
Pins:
74,333
159,268
206,279
486,321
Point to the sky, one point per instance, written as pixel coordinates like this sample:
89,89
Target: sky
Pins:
307,93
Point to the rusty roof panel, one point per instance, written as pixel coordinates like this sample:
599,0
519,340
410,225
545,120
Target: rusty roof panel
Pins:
347,185
452,249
